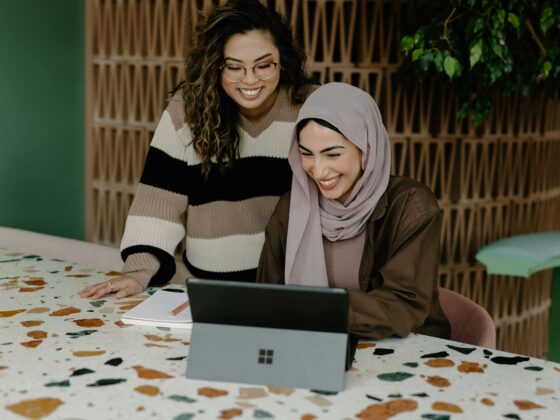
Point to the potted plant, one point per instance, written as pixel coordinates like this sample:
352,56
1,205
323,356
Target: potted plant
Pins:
480,47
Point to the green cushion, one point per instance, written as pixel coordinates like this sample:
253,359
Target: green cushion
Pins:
521,255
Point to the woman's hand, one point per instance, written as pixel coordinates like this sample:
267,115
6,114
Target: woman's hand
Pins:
123,286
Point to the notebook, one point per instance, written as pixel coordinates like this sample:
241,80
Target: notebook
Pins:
156,311
291,336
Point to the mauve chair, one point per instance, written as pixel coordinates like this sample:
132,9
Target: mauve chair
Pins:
470,323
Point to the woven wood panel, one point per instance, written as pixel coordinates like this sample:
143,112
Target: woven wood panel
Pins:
495,182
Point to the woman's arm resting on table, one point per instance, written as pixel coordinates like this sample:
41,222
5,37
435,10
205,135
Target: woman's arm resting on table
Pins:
138,271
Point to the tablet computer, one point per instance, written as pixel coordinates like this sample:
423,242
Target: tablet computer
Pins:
294,336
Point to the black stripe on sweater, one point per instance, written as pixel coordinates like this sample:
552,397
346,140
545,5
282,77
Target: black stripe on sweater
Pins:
166,262
165,172
249,177
244,275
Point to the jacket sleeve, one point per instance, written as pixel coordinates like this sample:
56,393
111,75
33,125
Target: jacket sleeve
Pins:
156,220
406,283
273,255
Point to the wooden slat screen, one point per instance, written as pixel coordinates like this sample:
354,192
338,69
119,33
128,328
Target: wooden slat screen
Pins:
500,181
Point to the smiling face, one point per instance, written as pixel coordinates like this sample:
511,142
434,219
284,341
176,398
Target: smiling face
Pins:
254,97
329,159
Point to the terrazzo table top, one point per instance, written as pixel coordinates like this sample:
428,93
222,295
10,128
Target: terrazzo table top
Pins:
63,357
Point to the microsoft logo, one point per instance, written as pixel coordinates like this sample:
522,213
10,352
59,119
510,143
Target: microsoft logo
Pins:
265,356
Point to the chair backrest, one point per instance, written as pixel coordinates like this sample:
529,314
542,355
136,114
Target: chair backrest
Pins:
470,323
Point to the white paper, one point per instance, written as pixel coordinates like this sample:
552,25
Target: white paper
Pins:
156,311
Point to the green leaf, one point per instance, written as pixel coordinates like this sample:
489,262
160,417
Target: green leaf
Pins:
514,20
547,19
501,16
438,61
452,67
419,39
547,66
498,47
463,110
497,20
553,52
474,27
417,53
477,118
480,108
476,53
508,64
425,60
496,71
478,24
407,43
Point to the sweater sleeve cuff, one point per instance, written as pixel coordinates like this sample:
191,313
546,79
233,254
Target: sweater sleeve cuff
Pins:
142,266
166,268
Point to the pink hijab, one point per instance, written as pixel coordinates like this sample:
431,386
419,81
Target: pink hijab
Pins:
356,115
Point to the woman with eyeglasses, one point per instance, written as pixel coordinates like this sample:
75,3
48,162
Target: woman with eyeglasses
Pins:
348,223
217,164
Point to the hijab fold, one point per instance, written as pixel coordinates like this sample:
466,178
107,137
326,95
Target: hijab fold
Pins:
312,216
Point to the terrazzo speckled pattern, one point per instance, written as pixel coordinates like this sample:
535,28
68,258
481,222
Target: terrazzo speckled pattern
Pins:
64,357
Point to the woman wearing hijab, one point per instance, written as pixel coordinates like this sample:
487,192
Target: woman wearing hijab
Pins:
347,223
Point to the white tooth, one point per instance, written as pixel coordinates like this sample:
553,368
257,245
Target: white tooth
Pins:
250,92
329,182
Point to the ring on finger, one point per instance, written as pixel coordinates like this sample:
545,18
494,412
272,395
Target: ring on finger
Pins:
110,285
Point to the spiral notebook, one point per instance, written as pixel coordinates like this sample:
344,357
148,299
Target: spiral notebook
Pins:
156,311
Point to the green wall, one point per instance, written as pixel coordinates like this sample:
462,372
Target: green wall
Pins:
42,116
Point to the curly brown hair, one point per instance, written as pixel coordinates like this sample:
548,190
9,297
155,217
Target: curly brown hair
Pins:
211,114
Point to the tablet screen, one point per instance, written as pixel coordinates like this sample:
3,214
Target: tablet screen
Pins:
269,305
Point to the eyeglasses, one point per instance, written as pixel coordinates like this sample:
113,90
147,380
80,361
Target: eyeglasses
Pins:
236,73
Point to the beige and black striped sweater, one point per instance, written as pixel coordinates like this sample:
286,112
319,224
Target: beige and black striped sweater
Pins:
222,219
